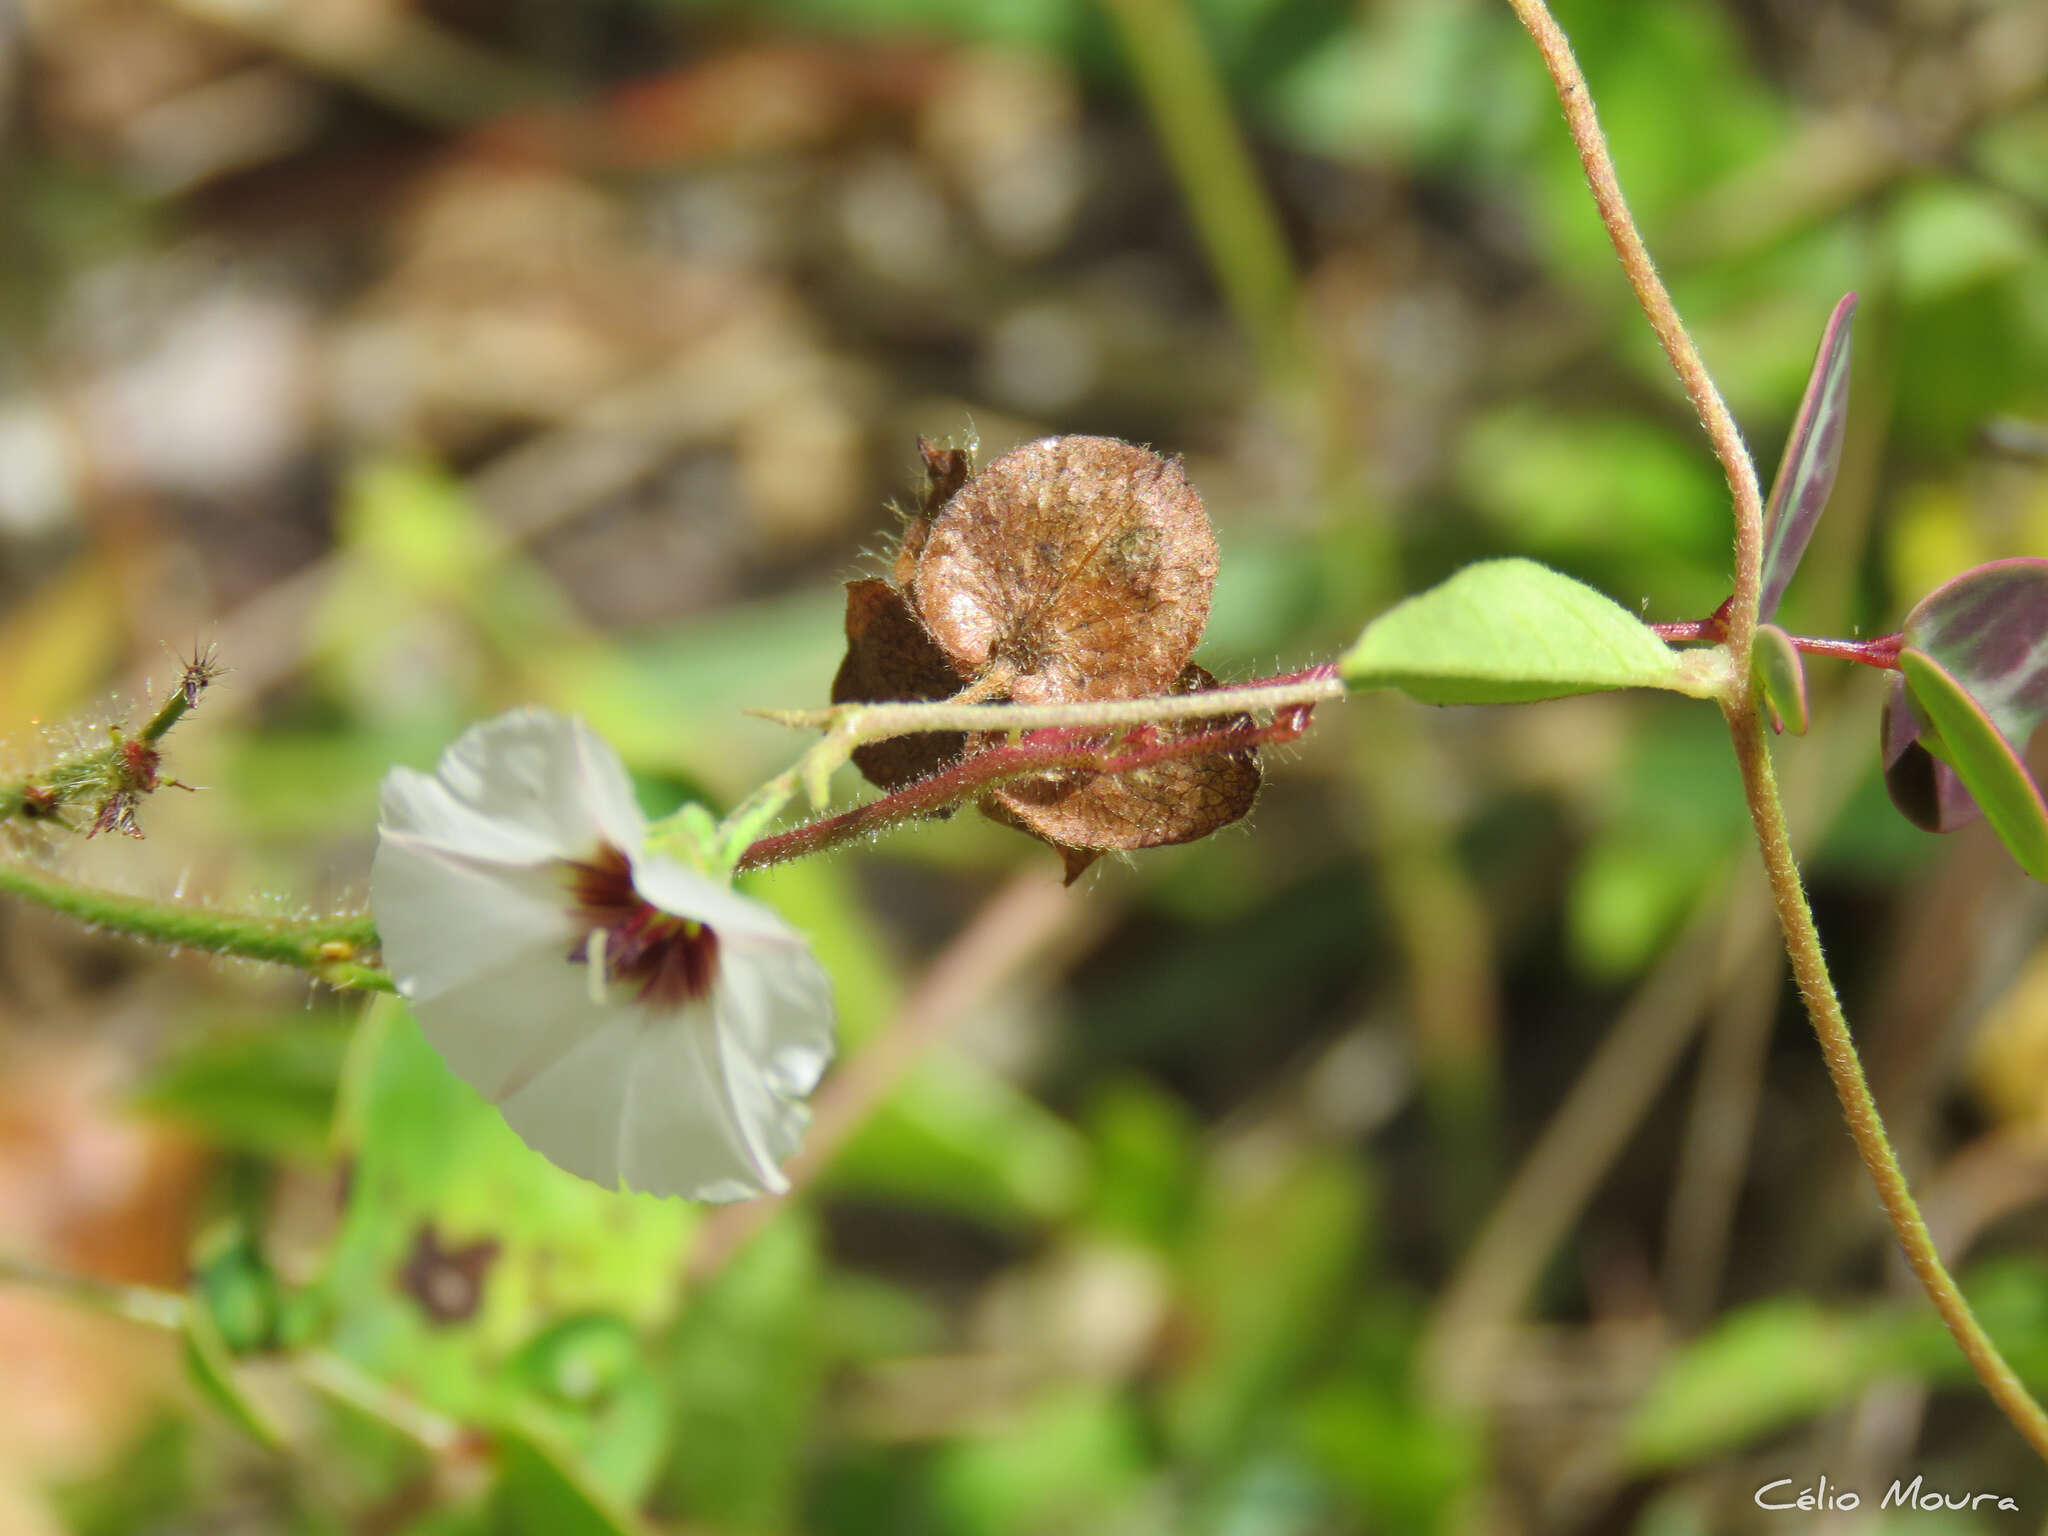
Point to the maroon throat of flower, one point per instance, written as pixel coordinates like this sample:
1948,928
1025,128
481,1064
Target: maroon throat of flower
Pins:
672,960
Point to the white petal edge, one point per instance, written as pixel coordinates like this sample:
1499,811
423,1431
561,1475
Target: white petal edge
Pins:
526,786
775,1005
449,919
677,889
571,1110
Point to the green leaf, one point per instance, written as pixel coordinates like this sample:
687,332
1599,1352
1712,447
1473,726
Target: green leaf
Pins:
1512,632
1070,1460
269,1091
1782,675
543,1492
744,1372
588,1386
433,1160
1990,769
1766,1367
236,1288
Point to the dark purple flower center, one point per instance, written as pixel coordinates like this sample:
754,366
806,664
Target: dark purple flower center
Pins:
673,960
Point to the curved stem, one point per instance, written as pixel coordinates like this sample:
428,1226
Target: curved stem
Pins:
1824,1008
1650,292
1225,196
1738,704
327,947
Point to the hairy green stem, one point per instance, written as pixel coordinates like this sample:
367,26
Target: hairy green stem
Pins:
1760,788
1655,299
1824,1008
855,725
327,947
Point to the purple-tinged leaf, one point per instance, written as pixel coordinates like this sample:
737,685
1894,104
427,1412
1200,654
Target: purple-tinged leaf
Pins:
1806,474
1964,736
1781,672
1988,628
1923,787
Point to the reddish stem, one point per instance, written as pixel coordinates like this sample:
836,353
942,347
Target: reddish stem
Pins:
1883,652
1046,751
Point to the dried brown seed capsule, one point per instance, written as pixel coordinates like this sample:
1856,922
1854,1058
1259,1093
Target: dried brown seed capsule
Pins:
1071,568
1087,814
1068,570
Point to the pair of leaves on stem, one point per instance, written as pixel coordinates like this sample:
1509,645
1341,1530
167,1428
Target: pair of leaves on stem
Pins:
1511,631
1970,689
1972,684
1070,570
1972,679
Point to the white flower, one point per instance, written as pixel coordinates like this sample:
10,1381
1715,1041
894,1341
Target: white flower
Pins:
635,1021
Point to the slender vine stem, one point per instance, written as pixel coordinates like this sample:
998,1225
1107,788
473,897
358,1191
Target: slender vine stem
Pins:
1824,1008
328,947
1740,706
1225,194
1655,299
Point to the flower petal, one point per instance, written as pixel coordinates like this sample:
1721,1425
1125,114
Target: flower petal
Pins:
504,1027
449,918
680,890
573,1111
775,1005
484,935
701,1123
527,786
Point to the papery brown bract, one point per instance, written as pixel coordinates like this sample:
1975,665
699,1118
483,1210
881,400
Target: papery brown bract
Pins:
1071,568
889,657
945,471
1085,814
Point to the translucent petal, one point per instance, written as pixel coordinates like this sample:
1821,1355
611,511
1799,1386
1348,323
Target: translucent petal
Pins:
574,1111
775,1005
527,786
421,806
504,1027
449,919
701,1123
481,933
677,888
